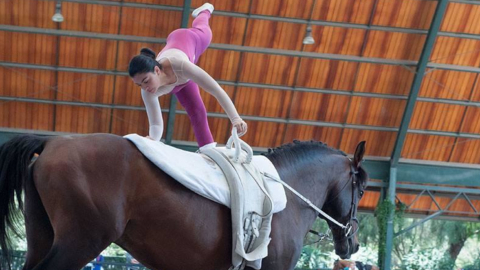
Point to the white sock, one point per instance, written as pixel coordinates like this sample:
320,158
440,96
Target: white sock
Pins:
208,146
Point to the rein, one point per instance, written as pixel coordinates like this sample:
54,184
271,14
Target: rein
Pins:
348,227
305,200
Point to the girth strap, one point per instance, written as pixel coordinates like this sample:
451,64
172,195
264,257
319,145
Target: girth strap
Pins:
250,223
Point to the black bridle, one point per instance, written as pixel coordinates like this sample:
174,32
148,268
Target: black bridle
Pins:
353,208
347,231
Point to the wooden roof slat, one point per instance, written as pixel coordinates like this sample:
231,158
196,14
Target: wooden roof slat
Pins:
369,200
27,13
436,116
31,83
319,107
283,8
346,41
82,119
466,151
456,51
270,135
149,22
183,130
263,102
88,17
376,112
228,30
241,6
379,143
471,117
212,104
343,11
85,87
158,2
129,121
277,35
255,67
475,96
391,45
18,47
389,79
461,18
419,146
447,84
220,64
22,115
319,73
404,13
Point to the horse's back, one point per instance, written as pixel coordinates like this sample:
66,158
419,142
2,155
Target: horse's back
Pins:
78,147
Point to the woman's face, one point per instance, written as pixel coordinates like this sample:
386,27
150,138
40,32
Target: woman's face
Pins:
148,81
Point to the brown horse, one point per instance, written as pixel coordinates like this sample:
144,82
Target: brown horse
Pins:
84,192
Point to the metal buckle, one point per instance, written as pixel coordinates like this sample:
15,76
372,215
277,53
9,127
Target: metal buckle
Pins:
348,229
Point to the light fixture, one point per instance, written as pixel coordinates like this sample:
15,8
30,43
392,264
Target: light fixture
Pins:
58,17
308,39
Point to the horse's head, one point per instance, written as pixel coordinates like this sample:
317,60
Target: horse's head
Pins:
342,202
331,180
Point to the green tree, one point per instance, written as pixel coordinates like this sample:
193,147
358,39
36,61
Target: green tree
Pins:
454,234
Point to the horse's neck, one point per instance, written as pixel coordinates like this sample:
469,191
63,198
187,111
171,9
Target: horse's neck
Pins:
307,180
310,180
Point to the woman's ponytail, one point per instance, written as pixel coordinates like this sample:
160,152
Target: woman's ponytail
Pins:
147,52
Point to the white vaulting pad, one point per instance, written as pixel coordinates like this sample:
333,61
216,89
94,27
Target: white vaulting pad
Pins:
200,174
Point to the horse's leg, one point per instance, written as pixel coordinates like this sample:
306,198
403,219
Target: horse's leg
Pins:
38,227
69,247
84,223
76,242
69,254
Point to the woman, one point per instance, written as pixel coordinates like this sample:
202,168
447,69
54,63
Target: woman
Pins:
174,71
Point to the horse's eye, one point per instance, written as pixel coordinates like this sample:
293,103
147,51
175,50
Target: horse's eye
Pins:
361,193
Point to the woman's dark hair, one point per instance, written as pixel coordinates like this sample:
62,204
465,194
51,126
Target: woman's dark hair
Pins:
143,63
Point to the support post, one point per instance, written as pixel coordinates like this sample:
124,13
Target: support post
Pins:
173,98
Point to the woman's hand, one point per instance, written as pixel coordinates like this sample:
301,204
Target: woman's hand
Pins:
241,127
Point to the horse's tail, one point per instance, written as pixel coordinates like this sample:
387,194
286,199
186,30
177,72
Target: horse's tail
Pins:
15,157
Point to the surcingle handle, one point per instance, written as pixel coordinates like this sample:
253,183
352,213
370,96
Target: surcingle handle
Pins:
239,146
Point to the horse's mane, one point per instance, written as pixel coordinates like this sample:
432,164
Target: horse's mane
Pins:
306,150
301,149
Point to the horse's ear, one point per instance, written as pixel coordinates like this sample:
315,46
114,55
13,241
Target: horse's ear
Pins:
358,156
